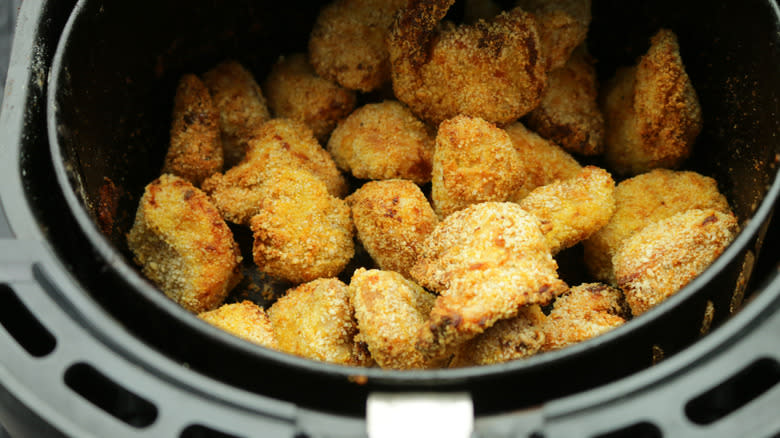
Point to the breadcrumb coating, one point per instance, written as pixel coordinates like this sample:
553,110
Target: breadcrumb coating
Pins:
651,111
392,219
563,25
347,42
195,151
642,200
183,245
294,91
542,161
383,141
301,232
493,70
584,312
664,256
572,210
316,320
569,113
509,339
241,105
487,261
390,310
246,320
474,161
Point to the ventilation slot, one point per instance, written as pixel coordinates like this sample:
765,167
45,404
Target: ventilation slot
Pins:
639,430
198,431
734,393
109,396
23,325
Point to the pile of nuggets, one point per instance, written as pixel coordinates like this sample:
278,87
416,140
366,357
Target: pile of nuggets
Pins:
451,154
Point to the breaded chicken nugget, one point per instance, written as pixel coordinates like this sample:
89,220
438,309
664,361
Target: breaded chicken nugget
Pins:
664,256
563,25
572,210
301,232
392,219
493,70
543,162
508,339
246,320
474,161
294,91
487,261
241,106
584,312
569,113
183,245
642,200
347,43
316,320
383,141
651,111
237,194
195,151
390,310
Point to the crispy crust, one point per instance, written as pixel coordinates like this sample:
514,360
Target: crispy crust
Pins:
195,151
563,25
392,219
383,141
390,310
294,91
474,161
347,42
664,256
241,105
642,200
651,111
183,245
572,210
246,320
301,232
317,321
487,261
502,80
569,113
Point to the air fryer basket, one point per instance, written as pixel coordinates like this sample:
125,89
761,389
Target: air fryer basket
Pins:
103,329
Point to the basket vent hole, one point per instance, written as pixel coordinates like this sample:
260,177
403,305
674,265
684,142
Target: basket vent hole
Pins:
109,396
638,430
737,391
198,431
23,325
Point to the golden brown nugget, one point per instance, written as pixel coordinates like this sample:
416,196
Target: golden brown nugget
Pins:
237,194
301,232
493,70
487,261
569,113
563,25
392,219
651,111
183,245
195,151
390,310
660,259
572,210
347,43
316,320
383,141
642,200
294,91
241,105
474,161
584,312
542,161
246,320
507,340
